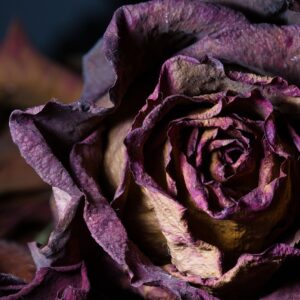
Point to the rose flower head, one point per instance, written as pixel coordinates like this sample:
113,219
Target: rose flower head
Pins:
175,175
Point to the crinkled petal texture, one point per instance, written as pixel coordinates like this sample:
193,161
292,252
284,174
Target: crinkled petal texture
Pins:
223,185
68,283
179,164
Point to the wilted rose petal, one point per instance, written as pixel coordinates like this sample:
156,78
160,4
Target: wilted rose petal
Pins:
49,283
180,24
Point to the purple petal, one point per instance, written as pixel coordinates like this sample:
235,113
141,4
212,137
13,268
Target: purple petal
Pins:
50,283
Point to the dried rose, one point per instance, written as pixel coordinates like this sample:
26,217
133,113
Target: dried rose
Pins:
192,191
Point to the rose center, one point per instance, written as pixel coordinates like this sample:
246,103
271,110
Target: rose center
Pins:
232,155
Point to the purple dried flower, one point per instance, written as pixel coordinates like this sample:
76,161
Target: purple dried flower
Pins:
178,168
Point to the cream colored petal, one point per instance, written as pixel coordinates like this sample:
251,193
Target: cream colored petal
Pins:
115,153
143,227
190,256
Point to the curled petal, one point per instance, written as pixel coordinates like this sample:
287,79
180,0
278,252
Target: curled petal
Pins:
49,283
39,155
229,36
151,41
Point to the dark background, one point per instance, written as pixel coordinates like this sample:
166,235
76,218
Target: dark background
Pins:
59,28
